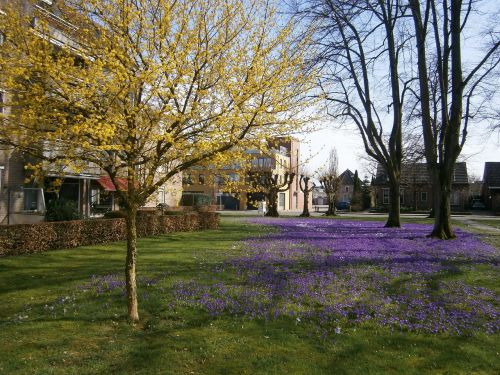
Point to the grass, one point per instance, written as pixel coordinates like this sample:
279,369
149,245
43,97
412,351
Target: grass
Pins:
49,325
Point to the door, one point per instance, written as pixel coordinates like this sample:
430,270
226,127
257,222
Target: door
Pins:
281,204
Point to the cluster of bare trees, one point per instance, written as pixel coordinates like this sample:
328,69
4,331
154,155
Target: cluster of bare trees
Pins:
385,64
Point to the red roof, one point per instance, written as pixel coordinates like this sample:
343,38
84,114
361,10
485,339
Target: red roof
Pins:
107,184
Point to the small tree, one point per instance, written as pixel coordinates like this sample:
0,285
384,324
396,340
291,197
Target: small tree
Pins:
331,182
148,89
306,190
271,185
366,193
357,182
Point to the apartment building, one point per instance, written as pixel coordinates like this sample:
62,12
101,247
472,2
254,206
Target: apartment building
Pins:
229,187
23,199
416,188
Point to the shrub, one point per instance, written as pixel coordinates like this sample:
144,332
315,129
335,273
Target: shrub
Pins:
172,213
61,210
115,215
40,237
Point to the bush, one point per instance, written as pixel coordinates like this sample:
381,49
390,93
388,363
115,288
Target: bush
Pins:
40,237
173,213
62,210
115,215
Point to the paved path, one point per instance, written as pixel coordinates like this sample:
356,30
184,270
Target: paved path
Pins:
478,225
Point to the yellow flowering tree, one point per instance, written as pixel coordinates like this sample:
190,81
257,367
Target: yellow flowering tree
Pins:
145,89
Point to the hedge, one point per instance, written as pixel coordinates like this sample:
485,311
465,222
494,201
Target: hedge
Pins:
40,237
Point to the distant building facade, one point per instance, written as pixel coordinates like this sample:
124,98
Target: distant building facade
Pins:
416,188
319,197
23,199
491,185
229,188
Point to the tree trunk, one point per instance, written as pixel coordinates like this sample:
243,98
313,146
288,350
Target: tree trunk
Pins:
130,274
305,212
332,210
273,205
442,210
394,219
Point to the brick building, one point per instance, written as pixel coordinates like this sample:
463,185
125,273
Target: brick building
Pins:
228,187
416,188
491,185
22,198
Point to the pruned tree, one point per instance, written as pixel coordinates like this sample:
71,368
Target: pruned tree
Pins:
271,184
330,181
448,90
360,54
146,89
306,189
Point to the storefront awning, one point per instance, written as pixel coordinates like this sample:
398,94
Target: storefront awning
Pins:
107,184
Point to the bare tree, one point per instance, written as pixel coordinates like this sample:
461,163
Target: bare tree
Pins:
306,189
446,92
271,184
360,54
330,181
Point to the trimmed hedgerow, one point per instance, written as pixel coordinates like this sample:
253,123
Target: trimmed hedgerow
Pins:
40,237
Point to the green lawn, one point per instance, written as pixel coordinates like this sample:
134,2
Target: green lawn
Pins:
53,322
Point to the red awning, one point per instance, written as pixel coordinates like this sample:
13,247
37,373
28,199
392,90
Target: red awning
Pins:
107,184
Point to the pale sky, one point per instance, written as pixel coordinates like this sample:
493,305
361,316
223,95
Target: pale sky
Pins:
481,146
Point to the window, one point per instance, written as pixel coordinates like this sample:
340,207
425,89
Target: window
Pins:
1,175
95,196
233,177
262,162
30,199
219,180
187,179
161,195
385,196
281,201
347,189
423,196
401,196
201,179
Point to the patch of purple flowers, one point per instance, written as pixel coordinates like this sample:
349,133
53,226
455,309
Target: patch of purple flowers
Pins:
336,272
106,284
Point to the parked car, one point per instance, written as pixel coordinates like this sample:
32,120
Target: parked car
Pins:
478,205
344,205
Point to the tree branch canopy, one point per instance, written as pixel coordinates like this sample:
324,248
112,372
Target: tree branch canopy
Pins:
145,89
159,85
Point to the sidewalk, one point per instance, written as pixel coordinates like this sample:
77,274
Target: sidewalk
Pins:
475,216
